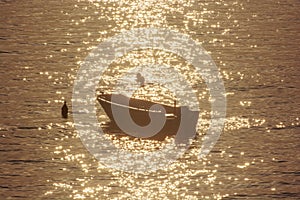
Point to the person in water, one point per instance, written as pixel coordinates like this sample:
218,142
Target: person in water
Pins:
140,79
64,110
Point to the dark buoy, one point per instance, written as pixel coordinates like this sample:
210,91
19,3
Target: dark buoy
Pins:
64,110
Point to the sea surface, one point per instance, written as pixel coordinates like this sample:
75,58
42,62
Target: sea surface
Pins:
254,44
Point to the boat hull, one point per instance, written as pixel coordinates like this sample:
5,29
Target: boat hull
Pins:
139,112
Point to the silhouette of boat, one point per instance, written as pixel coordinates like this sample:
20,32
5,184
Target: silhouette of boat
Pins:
139,110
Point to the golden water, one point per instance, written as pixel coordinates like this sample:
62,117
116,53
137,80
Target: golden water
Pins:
255,45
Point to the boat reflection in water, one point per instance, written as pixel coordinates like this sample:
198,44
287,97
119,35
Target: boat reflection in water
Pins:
180,121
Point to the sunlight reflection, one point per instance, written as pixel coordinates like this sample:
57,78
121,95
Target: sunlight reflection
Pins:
188,178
